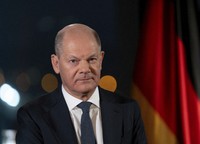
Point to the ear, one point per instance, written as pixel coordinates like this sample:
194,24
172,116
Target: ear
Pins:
55,63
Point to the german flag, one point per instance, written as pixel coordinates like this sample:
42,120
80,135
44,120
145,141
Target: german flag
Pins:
166,78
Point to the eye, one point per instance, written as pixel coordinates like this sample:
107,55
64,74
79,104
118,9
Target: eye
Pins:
73,61
92,60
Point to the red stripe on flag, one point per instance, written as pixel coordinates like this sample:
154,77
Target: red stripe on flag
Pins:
155,74
161,73
189,104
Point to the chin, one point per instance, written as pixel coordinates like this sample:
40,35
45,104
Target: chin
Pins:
87,89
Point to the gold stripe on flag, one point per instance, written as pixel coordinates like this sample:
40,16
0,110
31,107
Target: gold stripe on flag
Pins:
157,131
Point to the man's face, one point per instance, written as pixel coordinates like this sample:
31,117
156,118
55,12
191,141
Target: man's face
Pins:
79,64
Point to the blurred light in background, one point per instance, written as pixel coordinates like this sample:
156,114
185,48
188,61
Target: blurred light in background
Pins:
8,136
23,81
108,82
49,82
9,95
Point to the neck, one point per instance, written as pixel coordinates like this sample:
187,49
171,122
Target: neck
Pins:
82,96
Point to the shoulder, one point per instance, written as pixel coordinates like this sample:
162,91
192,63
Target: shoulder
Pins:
42,103
128,105
114,97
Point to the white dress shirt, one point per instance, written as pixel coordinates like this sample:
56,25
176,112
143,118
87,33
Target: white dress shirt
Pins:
95,114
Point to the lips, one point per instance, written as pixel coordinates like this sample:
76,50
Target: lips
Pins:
86,78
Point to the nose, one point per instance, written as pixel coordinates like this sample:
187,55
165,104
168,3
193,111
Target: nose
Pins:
84,67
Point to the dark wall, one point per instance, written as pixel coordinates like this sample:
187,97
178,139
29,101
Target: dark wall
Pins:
28,28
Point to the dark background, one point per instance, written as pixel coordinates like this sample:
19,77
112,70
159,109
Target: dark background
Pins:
28,29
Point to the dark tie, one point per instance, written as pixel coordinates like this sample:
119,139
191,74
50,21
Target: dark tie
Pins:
87,133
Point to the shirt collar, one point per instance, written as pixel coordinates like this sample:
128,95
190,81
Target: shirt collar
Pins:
72,102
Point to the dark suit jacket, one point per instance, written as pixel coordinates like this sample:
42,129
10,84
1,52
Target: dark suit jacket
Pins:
47,121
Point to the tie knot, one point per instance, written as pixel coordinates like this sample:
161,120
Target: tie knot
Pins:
85,106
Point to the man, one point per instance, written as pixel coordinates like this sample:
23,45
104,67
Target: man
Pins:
56,117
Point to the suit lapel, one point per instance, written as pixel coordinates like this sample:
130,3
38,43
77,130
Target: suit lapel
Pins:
111,120
58,118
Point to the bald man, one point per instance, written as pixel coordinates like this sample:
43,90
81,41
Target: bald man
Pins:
55,118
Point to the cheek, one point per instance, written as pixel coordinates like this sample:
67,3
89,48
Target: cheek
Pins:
99,67
66,73
97,71
67,78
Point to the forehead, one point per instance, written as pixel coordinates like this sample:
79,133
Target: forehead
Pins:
75,34
79,40
80,46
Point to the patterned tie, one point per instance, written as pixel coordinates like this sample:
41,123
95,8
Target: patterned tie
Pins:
87,133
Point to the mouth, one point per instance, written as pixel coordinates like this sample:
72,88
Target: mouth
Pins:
84,79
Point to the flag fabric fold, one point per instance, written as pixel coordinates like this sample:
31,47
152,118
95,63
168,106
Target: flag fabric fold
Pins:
166,76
